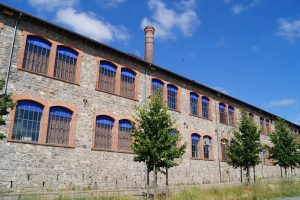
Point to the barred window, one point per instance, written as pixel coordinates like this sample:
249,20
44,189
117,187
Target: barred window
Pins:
223,115
224,147
172,97
104,132
59,125
36,56
195,145
27,121
231,115
107,77
157,85
124,137
251,116
207,147
65,64
261,124
205,107
268,126
127,83
194,103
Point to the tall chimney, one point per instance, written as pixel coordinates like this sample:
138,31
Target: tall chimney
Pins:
149,40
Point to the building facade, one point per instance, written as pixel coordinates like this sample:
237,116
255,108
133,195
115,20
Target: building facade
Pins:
75,103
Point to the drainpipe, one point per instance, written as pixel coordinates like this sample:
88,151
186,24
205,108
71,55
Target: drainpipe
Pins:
11,53
217,135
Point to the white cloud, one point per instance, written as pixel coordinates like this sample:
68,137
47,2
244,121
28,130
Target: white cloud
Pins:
87,24
289,29
51,5
239,7
220,90
166,20
282,102
110,3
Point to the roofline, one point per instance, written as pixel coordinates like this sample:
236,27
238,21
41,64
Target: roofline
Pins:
216,92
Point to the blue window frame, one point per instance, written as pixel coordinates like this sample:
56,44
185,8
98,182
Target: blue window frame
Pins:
205,107
194,98
231,115
59,125
268,126
222,111
65,64
107,77
172,97
207,147
27,121
36,55
128,83
104,132
261,122
124,136
195,145
157,85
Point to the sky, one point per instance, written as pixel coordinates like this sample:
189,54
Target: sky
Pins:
249,49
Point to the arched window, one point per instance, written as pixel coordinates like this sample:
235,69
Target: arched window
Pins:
231,115
194,103
195,145
104,132
268,129
251,116
107,77
205,107
224,148
59,125
27,121
127,83
157,85
36,56
207,147
65,64
172,97
124,137
223,115
262,124
265,155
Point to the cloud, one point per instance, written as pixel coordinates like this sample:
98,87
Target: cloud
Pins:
220,43
86,23
110,3
166,20
51,5
239,7
282,102
289,29
220,90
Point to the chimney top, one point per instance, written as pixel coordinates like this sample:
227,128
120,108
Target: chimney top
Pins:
149,28
149,41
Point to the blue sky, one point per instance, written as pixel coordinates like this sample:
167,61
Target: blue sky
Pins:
249,49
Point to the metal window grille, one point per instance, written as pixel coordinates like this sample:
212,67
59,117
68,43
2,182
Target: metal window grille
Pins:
267,126
65,64
194,104
205,107
223,115
195,146
231,116
107,77
207,148
157,86
128,84
104,132
172,97
261,124
27,121
36,56
59,126
124,137
224,146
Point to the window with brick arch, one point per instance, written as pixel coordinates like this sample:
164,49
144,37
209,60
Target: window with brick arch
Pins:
205,107
36,56
222,112
262,124
231,115
172,97
104,132
59,125
194,99
195,143
224,148
107,77
124,136
251,115
157,85
65,64
207,148
268,128
128,83
27,121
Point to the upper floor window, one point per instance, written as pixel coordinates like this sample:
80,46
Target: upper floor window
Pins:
231,115
224,148
124,135
172,97
36,56
262,124
205,107
194,103
157,85
268,128
251,116
128,83
65,64
195,145
222,111
207,147
59,125
27,120
107,77
104,132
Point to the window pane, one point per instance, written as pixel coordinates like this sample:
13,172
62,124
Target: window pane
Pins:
124,137
172,97
157,85
205,107
223,115
128,83
194,104
104,132
231,115
207,148
107,77
195,146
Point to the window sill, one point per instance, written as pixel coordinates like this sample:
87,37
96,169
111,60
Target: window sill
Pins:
174,110
201,159
227,124
42,144
112,151
116,95
201,117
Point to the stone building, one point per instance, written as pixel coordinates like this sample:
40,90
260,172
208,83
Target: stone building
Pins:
75,99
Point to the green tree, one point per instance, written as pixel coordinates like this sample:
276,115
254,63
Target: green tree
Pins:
6,103
245,146
284,151
155,140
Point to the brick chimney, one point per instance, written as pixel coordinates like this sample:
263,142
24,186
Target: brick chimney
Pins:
149,40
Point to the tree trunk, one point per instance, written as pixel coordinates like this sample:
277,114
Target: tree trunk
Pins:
291,172
248,175
241,176
254,179
155,183
167,182
148,182
281,172
285,173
